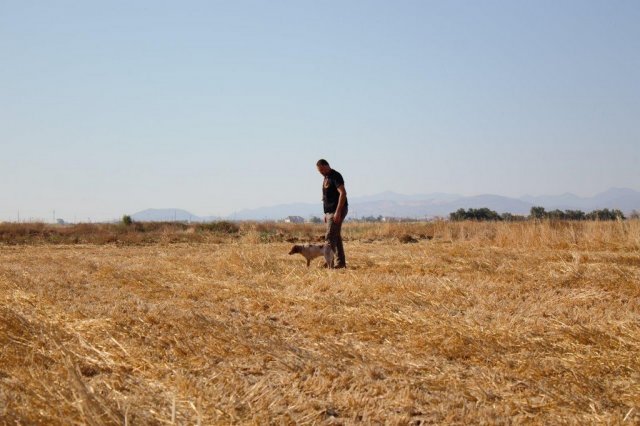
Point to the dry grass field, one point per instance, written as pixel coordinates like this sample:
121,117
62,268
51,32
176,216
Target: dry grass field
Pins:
439,323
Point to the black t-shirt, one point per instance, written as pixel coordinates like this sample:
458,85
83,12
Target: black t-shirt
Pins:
330,194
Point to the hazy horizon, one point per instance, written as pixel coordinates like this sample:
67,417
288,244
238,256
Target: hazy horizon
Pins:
214,107
377,196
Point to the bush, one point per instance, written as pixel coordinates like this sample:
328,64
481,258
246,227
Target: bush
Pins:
221,227
475,214
126,220
606,214
538,213
508,217
407,239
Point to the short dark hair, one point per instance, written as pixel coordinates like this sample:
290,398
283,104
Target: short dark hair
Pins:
322,162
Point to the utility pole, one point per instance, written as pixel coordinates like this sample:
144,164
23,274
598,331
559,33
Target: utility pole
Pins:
18,215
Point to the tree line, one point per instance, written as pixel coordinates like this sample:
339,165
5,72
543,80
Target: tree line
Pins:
539,213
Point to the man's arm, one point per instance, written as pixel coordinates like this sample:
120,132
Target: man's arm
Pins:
337,218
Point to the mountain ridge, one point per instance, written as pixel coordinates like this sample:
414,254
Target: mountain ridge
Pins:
394,204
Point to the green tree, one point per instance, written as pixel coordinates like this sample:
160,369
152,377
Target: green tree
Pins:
574,215
508,217
606,214
556,215
538,213
459,214
482,214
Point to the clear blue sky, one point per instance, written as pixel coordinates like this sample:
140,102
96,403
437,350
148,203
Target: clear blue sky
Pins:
112,107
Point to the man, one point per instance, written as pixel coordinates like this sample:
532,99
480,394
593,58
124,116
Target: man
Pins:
334,200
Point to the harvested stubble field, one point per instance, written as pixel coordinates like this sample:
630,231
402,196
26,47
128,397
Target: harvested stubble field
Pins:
447,323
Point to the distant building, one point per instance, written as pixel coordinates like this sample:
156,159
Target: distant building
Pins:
390,219
294,219
402,219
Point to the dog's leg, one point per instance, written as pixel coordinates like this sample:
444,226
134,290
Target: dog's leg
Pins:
328,255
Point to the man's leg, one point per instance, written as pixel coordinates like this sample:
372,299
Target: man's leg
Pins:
341,261
333,235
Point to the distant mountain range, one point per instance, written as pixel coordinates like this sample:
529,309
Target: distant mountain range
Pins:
169,215
419,206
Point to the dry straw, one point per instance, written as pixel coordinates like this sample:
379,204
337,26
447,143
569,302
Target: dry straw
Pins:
445,323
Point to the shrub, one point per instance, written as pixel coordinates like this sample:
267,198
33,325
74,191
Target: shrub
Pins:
538,213
221,227
606,214
508,217
407,239
475,214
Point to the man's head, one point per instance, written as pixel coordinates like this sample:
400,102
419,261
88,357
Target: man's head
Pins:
323,167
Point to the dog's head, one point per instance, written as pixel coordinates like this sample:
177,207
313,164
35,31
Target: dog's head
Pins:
295,249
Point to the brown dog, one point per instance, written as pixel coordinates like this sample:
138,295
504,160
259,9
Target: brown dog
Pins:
311,251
